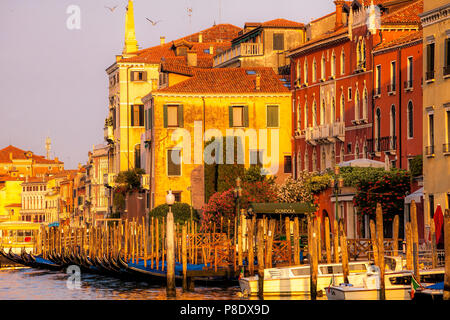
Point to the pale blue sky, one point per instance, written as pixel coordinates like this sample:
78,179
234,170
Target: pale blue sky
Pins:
53,80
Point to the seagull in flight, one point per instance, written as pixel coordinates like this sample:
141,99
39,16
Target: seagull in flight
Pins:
153,23
111,9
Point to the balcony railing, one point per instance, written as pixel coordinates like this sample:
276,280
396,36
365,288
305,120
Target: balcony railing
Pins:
325,133
388,143
429,75
408,84
391,87
446,70
108,134
429,150
241,50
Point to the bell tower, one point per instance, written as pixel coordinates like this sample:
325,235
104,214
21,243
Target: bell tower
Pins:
130,34
48,146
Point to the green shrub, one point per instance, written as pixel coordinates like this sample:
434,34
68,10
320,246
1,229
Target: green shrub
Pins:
181,212
416,166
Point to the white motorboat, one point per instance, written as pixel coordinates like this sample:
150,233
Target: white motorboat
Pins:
295,280
367,287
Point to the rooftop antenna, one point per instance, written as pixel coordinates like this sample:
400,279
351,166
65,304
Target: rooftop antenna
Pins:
189,12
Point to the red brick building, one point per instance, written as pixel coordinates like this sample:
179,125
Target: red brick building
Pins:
332,77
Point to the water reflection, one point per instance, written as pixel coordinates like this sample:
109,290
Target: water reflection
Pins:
32,284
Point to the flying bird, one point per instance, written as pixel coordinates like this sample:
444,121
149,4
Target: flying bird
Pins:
111,9
153,23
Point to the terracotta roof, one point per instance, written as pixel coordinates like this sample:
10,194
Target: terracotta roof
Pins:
219,37
175,67
403,40
276,23
408,14
229,80
20,154
330,34
13,205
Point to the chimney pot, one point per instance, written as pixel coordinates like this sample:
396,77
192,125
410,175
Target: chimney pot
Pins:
162,40
211,50
200,37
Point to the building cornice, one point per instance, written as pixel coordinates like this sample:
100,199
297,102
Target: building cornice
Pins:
435,15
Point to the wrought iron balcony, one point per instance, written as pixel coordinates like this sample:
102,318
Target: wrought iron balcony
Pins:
386,144
408,84
429,150
446,70
391,87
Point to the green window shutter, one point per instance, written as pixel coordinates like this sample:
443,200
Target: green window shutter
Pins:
146,121
230,116
149,119
132,116
245,116
272,116
141,115
165,115
180,116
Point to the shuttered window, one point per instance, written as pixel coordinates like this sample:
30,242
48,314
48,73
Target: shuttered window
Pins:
272,117
256,157
173,116
278,41
238,116
138,75
430,57
174,162
137,115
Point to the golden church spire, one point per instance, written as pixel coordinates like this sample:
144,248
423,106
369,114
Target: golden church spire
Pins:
130,35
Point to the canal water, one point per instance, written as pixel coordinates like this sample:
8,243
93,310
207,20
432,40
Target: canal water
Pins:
36,284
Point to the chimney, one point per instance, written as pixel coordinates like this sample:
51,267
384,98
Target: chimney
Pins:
338,4
10,156
56,159
258,82
191,58
162,40
211,50
200,37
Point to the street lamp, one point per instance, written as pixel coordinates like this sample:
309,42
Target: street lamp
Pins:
337,184
170,290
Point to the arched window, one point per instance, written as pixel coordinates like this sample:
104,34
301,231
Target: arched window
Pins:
410,120
323,160
342,108
333,64
342,154
306,160
314,160
322,112
377,128
357,104
393,128
333,110
365,104
299,116
322,68
314,114
333,158
357,151
299,163
314,71
342,61
306,115
305,71
298,71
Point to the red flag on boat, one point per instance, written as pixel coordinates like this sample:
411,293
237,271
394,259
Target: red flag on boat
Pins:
438,222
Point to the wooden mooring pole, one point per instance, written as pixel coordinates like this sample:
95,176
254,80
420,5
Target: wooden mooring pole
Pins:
380,239
335,241
395,235
171,292
327,239
260,245
415,238
184,256
344,251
